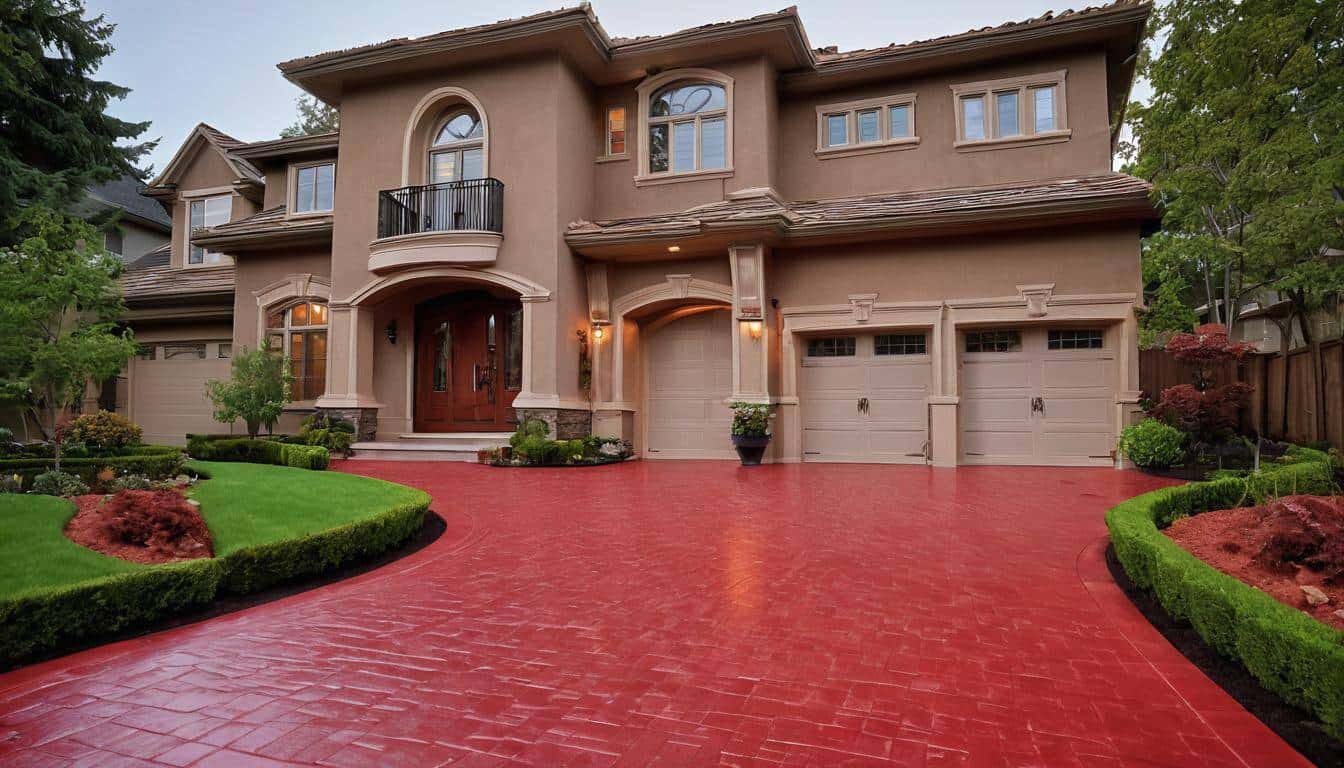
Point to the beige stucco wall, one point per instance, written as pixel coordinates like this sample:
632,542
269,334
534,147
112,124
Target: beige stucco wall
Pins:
204,169
257,271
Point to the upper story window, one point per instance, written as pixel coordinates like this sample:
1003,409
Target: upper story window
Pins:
1010,112
687,122
314,188
300,333
615,132
866,125
208,212
113,242
688,128
458,150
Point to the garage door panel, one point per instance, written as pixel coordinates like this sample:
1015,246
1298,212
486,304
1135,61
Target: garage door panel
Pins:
913,378
832,413
999,445
836,445
978,375
168,398
897,444
1076,373
997,411
689,381
823,380
1094,412
1080,447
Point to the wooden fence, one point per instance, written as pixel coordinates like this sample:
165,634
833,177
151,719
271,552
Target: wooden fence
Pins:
1312,411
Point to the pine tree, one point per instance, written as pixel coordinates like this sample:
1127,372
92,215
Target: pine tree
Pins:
56,138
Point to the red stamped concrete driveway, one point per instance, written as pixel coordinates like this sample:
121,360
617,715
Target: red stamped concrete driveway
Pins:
675,613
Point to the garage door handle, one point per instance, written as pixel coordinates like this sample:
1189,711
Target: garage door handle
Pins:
863,405
1038,405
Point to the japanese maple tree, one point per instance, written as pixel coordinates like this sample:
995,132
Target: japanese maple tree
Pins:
1207,412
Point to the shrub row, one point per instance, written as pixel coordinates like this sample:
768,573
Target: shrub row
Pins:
42,622
258,451
154,461
1290,653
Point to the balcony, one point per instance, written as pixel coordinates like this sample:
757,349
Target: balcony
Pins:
454,223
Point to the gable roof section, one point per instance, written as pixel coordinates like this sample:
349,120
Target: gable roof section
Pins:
165,283
124,193
1115,194
221,142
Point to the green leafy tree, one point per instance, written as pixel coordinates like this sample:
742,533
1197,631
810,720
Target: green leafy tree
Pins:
314,117
1244,144
59,305
257,392
1168,277
56,138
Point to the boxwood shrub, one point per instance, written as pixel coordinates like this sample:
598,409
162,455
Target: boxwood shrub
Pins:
1290,653
154,461
258,451
43,622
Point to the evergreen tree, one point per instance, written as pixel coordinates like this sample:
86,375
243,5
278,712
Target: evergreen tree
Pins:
56,138
314,117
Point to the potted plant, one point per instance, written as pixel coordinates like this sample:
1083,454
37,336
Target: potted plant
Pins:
751,431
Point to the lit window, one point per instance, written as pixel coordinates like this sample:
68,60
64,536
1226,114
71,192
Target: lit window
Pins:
899,344
300,333
688,128
1075,339
834,346
993,341
616,131
208,212
315,187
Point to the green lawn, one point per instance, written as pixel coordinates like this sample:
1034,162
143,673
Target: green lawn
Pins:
243,504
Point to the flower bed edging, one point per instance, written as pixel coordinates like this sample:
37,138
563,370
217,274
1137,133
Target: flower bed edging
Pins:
42,622
1291,654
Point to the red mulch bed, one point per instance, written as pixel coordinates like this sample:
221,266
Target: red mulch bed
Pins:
148,527
1278,548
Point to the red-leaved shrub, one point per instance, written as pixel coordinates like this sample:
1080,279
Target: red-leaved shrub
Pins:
1304,531
159,520
1207,413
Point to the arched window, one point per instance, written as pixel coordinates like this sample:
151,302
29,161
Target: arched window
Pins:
299,331
688,128
457,152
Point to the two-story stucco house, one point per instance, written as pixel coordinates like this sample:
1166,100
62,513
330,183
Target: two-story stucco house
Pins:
917,253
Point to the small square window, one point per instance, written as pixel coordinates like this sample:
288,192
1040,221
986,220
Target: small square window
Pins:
1075,339
993,341
899,344
833,346
837,130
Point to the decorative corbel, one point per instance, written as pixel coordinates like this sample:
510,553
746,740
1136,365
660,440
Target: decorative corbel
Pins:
862,304
1037,297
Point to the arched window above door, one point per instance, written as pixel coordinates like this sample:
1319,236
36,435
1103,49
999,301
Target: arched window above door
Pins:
457,152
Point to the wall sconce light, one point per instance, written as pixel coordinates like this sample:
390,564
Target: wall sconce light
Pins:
674,249
754,329
598,333
391,331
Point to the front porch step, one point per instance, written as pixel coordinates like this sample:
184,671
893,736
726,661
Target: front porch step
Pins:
446,446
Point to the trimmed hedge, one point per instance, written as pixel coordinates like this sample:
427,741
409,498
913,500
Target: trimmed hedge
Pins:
1290,653
45,621
155,461
258,451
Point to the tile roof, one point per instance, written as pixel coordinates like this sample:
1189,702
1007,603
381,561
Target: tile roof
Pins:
887,211
314,142
157,257
223,143
163,282
124,193
271,222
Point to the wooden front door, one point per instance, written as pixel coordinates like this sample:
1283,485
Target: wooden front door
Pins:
468,364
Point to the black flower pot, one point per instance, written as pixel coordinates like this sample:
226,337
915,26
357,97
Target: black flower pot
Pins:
750,448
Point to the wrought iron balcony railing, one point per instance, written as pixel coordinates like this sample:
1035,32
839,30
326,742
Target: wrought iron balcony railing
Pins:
477,205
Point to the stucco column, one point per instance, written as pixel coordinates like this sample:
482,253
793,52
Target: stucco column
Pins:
349,391
944,434
752,331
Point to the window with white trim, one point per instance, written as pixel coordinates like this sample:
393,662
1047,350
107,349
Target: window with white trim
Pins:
688,128
314,187
299,332
208,212
865,124
1011,110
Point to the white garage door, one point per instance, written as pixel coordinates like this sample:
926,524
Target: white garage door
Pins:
1037,397
865,398
167,393
690,377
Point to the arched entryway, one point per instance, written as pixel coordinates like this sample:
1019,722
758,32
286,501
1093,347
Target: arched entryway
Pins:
688,380
468,364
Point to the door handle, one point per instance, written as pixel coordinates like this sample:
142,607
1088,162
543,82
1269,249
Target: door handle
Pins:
1038,405
862,405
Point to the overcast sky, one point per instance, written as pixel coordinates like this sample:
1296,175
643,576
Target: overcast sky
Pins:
215,62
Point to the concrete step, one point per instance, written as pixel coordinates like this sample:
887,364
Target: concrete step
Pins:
446,446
